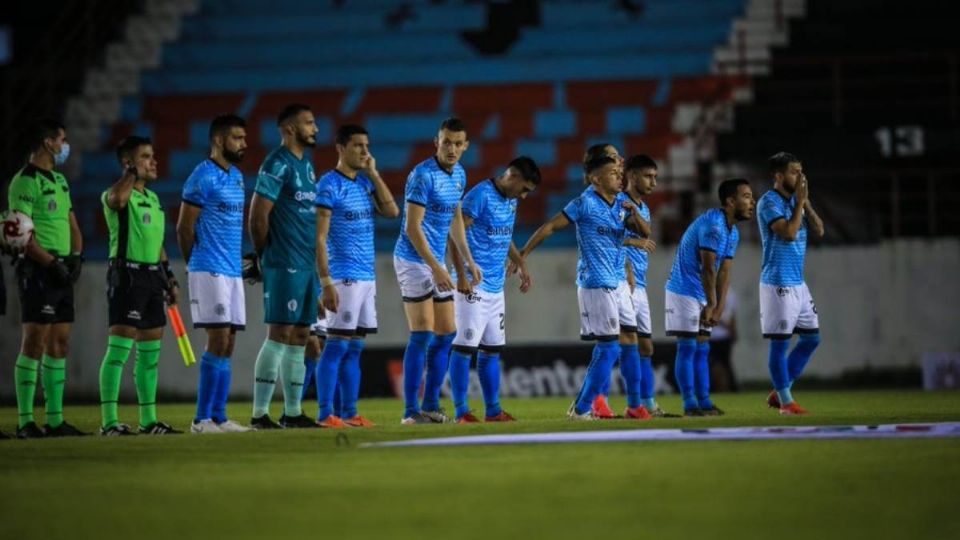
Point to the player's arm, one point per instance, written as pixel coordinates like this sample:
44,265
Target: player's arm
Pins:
259,221
634,222
645,229
813,218
519,264
788,228
382,198
463,285
21,198
414,230
631,278
708,278
556,223
173,288
645,244
458,232
329,298
119,193
186,228
76,237
723,285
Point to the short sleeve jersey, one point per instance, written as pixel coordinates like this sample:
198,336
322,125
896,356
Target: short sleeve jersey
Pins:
350,248
290,183
429,185
45,197
639,259
491,232
782,259
600,233
707,232
136,230
218,240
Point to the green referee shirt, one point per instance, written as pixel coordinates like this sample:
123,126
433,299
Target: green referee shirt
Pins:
136,232
45,197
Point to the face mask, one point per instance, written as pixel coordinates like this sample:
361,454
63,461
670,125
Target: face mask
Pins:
61,158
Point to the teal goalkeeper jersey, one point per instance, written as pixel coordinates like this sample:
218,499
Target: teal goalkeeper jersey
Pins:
290,183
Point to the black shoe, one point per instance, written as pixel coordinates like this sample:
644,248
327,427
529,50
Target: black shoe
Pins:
30,431
302,421
712,411
63,430
264,422
159,428
693,412
118,430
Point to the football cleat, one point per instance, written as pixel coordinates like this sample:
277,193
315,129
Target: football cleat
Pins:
118,430
159,428
302,421
637,413
585,417
773,400
504,416
601,409
205,427
229,426
468,418
358,421
264,422
712,410
332,422
416,419
693,412
660,413
63,430
438,416
792,409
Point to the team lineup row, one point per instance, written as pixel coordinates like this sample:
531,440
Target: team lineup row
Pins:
313,240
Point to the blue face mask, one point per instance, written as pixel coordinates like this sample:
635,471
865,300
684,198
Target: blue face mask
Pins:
61,158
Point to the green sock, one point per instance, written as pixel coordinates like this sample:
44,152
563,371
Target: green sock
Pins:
53,373
265,376
25,376
292,371
145,376
111,370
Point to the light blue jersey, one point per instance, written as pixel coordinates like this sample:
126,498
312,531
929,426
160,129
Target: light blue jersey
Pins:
350,239
709,232
638,257
219,230
782,259
491,233
439,192
289,183
600,233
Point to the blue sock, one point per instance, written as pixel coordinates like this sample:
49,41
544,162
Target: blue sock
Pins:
594,358
207,385
310,375
349,380
338,397
414,358
701,374
222,392
460,380
438,360
777,363
630,370
683,370
801,354
328,369
605,387
488,367
606,355
647,383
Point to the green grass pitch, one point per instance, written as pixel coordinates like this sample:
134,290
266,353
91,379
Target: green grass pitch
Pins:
301,484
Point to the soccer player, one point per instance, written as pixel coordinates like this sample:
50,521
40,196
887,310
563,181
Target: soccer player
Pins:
347,198
139,280
489,213
786,307
210,234
46,273
431,213
697,290
602,213
283,230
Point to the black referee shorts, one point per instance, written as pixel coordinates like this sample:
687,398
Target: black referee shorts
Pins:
42,301
135,296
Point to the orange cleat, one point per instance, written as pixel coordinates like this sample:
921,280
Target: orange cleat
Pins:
331,422
601,409
504,416
468,418
773,400
792,409
358,421
637,413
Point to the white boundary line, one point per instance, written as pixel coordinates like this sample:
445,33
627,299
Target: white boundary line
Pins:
883,431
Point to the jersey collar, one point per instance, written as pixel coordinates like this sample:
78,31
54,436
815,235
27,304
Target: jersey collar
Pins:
439,166
493,182
609,204
217,165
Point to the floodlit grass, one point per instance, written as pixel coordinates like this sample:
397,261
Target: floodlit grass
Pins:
302,484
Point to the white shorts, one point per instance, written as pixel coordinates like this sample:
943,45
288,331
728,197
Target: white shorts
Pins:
480,319
357,311
642,308
785,311
604,311
416,282
217,301
683,316
319,328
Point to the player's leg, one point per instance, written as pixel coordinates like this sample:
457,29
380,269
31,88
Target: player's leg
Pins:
471,322
237,312
416,288
779,309
350,373
438,355
701,368
53,373
341,328
146,377
492,341
120,340
683,321
311,356
26,376
266,369
808,333
599,321
302,313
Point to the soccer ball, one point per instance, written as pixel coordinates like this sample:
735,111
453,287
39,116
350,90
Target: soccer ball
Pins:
17,229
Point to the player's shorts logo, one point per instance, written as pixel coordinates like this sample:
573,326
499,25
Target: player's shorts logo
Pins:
47,309
782,324
220,309
133,315
292,305
348,282
781,292
469,334
473,298
612,322
347,316
427,284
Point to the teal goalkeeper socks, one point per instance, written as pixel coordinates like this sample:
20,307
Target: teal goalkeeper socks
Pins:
292,372
265,376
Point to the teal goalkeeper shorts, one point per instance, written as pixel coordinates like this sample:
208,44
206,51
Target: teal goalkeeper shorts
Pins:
289,296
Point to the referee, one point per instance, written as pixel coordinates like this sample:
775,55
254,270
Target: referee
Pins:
45,274
138,281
